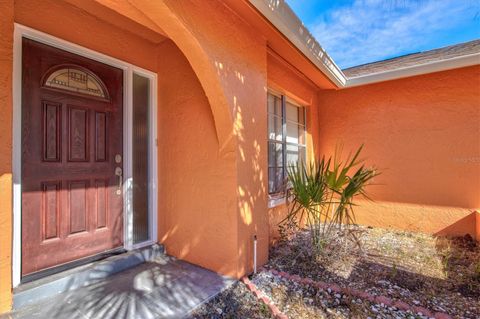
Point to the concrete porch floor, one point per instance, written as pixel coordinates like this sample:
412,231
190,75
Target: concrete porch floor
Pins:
162,288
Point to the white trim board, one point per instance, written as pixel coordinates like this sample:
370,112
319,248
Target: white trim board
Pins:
20,32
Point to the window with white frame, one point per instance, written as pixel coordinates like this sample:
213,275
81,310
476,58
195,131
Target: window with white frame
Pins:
286,140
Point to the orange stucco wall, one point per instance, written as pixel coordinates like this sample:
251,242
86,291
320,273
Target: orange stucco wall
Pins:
6,65
423,133
229,183
196,195
77,26
212,127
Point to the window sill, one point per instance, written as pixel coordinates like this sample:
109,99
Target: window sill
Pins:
276,201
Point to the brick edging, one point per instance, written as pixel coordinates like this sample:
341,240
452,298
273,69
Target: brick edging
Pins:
360,294
261,296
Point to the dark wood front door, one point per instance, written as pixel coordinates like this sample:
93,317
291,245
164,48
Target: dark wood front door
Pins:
72,138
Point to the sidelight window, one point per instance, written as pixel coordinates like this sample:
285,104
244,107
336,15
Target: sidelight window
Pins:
140,158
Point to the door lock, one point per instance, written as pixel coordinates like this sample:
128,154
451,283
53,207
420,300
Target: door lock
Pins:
119,173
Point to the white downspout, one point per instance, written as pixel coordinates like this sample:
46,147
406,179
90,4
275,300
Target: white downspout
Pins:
255,254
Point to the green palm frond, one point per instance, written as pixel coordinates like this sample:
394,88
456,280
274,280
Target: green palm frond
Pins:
323,193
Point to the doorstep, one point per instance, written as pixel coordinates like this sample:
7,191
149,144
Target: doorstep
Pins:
35,291
163,287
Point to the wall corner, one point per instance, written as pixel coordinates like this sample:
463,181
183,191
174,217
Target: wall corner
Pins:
477,225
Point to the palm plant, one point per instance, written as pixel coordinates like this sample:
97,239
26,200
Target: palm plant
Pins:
322,195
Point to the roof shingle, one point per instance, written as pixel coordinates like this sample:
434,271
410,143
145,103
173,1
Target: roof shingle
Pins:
415,59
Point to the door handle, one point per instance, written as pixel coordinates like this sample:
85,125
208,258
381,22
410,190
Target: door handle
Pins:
119,173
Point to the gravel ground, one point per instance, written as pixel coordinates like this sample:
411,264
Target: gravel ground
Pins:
235,302
438,274
305,301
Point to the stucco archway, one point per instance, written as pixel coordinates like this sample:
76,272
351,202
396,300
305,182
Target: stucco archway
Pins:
158,14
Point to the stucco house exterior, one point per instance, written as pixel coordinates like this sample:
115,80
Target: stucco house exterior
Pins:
129,123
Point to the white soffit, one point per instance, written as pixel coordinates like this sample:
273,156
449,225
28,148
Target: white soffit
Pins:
287,22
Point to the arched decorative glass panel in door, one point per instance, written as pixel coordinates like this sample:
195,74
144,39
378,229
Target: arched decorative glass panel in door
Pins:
75,79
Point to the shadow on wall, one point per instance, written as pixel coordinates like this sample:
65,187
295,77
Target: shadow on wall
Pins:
208,208
470,222
249,129
225,190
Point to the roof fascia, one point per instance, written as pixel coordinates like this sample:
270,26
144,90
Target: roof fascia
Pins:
286,22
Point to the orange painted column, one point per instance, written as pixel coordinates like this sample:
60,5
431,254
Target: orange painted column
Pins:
6,65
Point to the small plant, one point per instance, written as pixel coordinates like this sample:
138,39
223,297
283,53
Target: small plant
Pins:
476,271
322,196
447,255
394,271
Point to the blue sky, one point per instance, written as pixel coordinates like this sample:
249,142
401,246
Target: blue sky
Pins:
355,32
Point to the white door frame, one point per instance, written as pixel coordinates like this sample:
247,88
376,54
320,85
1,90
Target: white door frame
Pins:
20,32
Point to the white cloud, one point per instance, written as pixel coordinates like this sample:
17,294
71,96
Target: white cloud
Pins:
372,30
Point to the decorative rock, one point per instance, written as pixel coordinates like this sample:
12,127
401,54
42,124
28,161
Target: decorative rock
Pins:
401,305
423,311
320,285
274,309
335,288
440,315
383,300
265,299
367,296
352,291
251,286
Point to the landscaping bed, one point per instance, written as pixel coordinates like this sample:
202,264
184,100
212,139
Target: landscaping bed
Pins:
442,275
415,271
235,302
298,300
